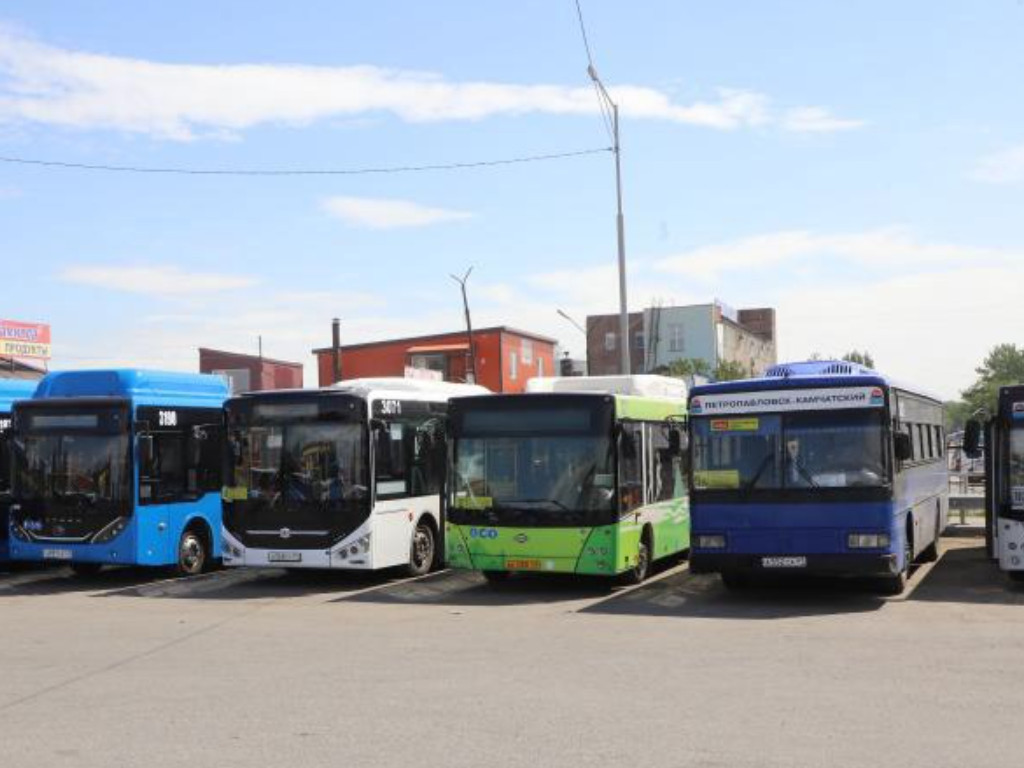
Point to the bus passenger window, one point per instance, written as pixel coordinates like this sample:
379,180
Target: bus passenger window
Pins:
631,461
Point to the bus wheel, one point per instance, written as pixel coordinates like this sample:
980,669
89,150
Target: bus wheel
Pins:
496,577
894,585
192,553
638,572
422,551
1017,577
931,552
86,569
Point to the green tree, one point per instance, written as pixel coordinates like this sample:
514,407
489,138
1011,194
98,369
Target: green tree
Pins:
727,370
861,358
957,414
1002,366
689,366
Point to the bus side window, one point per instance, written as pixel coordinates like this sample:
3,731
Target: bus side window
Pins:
428,457
631,462
666,475
163,478
390,458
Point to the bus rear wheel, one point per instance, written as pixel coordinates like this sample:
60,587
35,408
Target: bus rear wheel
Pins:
193,554
422,551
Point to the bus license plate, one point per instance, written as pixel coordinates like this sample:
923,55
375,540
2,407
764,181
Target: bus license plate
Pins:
56,554
284,557
784,562
522,565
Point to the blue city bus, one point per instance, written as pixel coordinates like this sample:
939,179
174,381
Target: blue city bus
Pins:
818,467
119,467
10,391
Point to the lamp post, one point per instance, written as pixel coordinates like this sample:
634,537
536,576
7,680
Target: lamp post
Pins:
620,224
469,324
581,329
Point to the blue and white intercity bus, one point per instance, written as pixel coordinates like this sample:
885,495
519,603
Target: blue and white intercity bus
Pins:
1004,479
822,466
11,390
119,467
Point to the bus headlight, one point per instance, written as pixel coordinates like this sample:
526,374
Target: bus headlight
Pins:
711,541
113,529
868,541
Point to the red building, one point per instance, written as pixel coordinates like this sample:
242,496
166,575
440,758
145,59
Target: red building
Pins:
505,358
250,373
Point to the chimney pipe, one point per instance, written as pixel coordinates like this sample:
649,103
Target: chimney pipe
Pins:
336,349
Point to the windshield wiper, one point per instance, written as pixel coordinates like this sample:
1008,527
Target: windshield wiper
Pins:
749,486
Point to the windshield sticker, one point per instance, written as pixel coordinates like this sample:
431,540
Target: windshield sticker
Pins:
824,399
473,502
1017,496
234,493
1018,410
717,478
735,425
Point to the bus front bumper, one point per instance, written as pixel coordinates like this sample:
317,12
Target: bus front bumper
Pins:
867,564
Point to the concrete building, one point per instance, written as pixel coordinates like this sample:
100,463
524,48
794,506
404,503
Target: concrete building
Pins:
505,358
250,373
661,335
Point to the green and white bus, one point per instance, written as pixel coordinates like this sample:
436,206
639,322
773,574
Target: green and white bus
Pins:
578,475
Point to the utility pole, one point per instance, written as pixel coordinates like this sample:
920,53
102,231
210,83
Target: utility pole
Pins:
469,324
336,350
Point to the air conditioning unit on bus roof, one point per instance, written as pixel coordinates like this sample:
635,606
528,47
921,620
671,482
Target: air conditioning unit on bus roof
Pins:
818,368
645,385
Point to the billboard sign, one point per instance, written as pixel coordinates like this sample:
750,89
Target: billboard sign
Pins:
24,339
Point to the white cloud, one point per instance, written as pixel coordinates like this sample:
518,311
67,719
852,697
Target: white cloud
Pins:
891,248
816,120
1006,167
380,213
159,280
44,84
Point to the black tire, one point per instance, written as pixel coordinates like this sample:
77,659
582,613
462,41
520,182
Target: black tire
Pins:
86,569
422,550
931,552
193,553
496,577
639,572
735,581
894,585
1017,577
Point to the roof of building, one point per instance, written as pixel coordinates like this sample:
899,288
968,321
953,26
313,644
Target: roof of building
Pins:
394,386
144,387
251,358
428,337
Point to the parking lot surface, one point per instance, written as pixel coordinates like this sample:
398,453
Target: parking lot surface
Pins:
243,668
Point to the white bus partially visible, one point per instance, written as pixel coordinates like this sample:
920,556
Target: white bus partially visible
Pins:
348,476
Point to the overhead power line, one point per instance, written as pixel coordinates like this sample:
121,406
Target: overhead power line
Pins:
65,165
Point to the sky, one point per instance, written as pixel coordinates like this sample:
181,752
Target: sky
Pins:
857,166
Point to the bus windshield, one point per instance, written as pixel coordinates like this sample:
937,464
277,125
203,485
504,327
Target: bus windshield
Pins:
302,462
93,468
534,465
802,450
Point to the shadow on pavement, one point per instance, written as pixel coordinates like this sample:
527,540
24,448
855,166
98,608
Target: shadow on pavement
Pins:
687,595
965,575
259,584
62,580
469,588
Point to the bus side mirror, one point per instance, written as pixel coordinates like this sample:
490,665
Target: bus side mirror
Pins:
972,439
904,448
678,442
147,455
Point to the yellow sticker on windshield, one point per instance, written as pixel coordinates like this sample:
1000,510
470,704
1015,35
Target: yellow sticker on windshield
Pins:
716,478
234,493
735,425
473,502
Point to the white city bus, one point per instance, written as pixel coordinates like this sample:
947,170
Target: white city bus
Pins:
348,476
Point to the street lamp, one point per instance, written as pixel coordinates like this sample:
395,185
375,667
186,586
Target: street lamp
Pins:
581,329
624,364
